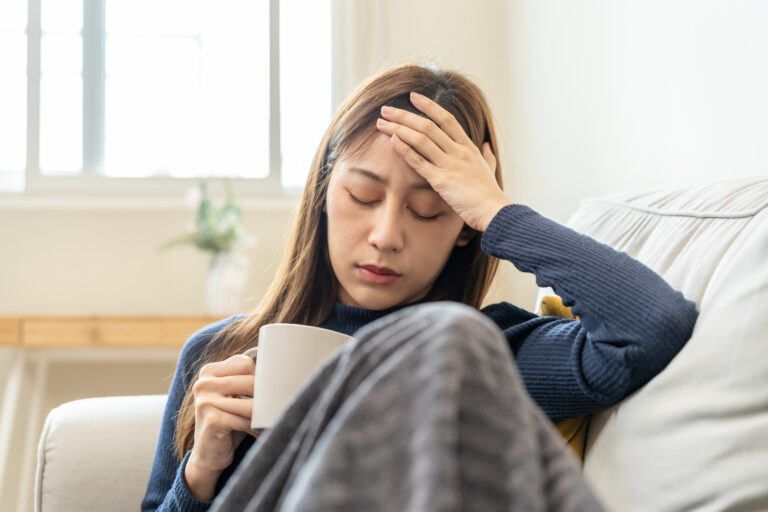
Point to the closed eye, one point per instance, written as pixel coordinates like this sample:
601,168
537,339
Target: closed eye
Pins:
360,201
371,203
421,217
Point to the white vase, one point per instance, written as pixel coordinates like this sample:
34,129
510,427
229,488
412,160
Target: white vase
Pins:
226,282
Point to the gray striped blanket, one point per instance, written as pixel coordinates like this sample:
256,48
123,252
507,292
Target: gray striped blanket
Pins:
423,411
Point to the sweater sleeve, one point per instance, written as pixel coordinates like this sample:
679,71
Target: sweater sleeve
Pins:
631,322
167,489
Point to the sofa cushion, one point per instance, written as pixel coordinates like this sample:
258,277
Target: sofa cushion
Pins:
96,454
696,436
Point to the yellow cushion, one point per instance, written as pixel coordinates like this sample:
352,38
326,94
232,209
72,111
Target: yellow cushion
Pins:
574,430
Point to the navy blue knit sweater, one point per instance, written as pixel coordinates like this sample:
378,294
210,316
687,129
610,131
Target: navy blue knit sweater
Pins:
632,323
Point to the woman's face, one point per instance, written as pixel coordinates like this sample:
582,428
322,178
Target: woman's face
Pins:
389,233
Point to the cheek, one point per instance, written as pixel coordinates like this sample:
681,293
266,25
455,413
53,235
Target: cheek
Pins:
343,222
441,234
435,245
338,212
337,207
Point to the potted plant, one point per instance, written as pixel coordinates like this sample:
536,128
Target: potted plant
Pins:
220,232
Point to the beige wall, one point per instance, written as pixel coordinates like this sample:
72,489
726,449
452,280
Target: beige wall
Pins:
102,260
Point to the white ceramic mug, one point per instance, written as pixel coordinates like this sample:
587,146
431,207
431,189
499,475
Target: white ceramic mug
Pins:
286,356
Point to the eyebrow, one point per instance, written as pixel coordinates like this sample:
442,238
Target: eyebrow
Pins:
423,185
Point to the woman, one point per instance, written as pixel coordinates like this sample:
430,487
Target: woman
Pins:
403,205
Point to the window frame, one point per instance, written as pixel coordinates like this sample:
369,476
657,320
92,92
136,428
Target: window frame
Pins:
89,182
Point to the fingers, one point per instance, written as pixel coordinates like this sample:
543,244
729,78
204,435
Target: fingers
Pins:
236,365
417,124
212,404
489,157
240,424
414,159
230,385
215,422
442,117
415,139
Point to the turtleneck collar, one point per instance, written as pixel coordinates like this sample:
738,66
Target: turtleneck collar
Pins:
348,319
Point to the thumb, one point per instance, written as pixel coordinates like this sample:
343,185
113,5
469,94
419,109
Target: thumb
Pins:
489,157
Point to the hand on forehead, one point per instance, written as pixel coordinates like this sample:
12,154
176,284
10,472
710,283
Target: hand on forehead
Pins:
442,153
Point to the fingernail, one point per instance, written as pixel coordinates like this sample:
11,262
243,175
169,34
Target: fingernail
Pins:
414,94
386,110
381,122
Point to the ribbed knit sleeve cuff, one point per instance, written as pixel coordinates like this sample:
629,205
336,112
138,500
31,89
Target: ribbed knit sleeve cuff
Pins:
182,496
502,227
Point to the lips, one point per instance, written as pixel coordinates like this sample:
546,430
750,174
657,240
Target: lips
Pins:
375,275
384,271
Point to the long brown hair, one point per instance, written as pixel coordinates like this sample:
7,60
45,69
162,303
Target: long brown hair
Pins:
305,288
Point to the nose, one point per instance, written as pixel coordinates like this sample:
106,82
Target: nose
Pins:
387,231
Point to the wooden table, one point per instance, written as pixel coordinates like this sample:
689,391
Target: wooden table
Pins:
33,342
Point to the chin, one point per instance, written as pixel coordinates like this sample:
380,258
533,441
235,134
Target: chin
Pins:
376,301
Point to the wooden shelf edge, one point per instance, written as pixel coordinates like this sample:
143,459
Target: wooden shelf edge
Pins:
10,331
62,331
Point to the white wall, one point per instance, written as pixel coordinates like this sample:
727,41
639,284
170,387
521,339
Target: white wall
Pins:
607,95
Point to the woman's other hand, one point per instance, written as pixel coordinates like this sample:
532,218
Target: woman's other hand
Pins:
222,420
442,153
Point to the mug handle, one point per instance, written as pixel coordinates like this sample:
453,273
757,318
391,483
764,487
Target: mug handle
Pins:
251,352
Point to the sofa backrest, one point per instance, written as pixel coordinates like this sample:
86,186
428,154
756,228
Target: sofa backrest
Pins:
696,436
96,454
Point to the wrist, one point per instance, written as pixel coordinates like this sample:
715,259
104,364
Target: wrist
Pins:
494,210
200,481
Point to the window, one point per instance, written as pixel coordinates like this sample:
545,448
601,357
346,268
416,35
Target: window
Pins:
13,92
105,94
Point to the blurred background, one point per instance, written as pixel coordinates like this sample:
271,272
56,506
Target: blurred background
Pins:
97,152
111,113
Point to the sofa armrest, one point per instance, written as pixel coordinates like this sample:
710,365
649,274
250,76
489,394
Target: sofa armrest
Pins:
96,454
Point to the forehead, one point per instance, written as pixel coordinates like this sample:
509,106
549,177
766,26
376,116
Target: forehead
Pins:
376,160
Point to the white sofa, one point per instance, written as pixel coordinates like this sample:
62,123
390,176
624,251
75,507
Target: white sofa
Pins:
96,454
694,438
